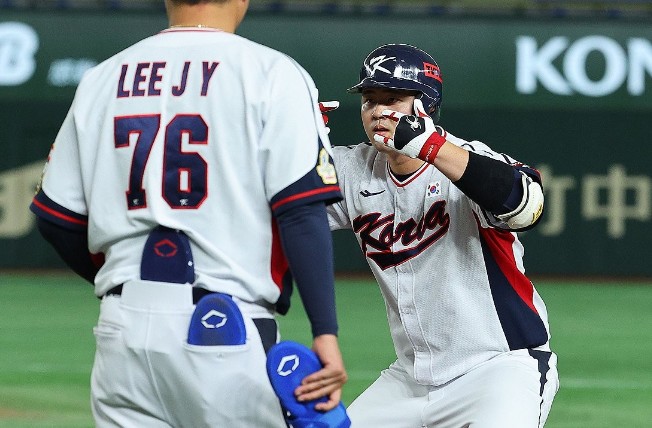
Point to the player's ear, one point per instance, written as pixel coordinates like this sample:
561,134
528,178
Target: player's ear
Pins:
435,114
420,111
418,108
242,7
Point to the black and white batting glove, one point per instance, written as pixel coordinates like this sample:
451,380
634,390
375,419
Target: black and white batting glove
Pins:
325,107
415,136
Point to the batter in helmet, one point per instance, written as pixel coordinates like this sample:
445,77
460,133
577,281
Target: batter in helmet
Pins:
437,219
405,67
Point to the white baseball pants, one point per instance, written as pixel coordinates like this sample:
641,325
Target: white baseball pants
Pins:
508,391
146,375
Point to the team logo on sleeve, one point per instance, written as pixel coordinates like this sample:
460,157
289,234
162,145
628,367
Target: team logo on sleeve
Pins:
39,184
325,169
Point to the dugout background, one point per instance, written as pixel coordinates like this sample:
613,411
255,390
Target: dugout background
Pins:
571,97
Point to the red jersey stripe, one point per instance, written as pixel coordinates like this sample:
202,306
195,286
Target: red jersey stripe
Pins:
302,195
278,263
500,245
58,214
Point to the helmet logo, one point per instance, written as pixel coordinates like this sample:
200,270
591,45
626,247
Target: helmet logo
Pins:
414,123
376,64
431,70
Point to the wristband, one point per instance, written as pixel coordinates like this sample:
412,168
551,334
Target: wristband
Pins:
431,147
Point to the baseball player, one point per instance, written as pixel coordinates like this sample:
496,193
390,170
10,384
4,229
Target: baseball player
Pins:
170,188
436,217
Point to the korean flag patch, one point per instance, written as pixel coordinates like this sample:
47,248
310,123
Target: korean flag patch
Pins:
433,189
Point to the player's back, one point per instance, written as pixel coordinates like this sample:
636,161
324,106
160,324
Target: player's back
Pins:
178,130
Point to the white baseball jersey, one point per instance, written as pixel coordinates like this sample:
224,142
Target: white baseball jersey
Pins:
451,276
198,130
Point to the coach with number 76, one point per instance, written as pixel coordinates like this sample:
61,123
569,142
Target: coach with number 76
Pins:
170,188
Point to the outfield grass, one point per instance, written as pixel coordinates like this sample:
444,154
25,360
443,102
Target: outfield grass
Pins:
601,333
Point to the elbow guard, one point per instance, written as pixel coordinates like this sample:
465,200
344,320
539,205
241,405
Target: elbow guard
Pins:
529,210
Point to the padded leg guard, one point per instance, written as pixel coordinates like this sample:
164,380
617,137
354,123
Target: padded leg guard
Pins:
287,364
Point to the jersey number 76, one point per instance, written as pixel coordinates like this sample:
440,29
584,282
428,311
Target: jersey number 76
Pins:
185,174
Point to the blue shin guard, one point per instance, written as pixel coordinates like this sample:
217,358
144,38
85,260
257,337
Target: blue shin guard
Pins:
287,364
217,320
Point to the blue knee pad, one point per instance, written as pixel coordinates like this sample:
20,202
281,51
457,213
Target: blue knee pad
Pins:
287,364
217,320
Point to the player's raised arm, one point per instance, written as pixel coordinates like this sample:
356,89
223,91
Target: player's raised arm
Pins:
514,196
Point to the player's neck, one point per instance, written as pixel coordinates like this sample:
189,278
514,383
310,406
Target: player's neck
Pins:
403,165
221,16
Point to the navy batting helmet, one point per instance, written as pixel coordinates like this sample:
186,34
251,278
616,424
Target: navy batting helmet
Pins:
405,67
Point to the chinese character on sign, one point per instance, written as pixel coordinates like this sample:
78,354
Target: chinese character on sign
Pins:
627,197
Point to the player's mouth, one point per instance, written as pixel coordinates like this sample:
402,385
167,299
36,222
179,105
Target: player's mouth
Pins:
379,129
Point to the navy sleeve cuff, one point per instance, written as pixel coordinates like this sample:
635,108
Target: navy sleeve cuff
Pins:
318,185
49,210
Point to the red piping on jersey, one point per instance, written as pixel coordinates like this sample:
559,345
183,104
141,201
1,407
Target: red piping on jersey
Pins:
59,215
302,195
97,259
278,263
411,179
500,244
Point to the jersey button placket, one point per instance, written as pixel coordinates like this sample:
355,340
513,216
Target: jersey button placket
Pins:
409,316
405,281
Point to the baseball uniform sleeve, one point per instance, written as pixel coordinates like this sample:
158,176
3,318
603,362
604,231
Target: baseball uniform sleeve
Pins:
490,208
296,152
60,198
338,217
